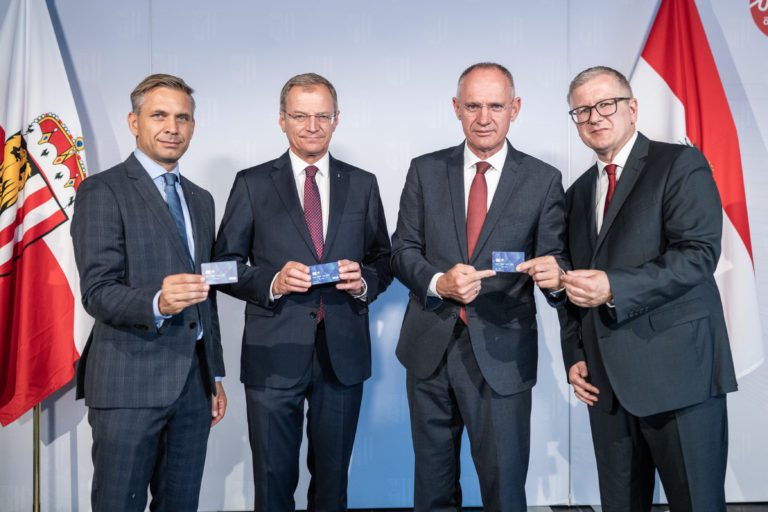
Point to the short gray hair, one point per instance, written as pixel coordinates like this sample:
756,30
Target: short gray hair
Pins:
486,65
307,80
595,71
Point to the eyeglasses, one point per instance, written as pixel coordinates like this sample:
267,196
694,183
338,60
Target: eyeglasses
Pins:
605,108
475,108
304,118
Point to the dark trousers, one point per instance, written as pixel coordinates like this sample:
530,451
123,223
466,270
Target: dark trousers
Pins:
160,448
498,427
275,421
688,446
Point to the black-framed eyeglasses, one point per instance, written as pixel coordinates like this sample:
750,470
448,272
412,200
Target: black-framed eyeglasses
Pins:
605,108
304,118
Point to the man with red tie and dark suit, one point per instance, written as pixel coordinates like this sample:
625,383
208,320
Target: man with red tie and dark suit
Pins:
644,338
303,342
469,340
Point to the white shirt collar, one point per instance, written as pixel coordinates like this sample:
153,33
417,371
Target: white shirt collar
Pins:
621,157
299,165
496,160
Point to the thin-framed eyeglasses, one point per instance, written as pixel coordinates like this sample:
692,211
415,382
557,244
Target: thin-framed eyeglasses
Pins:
605,108
476,108
302,118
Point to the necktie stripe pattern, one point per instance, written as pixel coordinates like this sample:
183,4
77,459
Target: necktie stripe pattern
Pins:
611,171
477,208
313,214
174,205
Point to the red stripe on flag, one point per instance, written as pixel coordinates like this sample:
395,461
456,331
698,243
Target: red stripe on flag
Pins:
36,316
34,200
677,49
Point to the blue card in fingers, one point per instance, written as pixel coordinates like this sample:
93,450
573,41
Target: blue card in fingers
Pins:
506,261
219,272
324,273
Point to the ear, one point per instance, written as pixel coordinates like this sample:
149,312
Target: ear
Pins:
335,120
281,121
515,108
133,123
633,110
457,108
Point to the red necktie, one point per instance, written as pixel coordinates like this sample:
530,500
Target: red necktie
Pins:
611,171
477,207
313,214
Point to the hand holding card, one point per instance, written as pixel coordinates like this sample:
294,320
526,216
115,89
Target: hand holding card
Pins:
219,272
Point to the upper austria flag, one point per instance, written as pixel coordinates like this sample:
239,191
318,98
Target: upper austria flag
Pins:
42,325
682,100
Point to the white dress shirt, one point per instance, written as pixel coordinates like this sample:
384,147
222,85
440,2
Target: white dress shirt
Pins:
602,177
492,177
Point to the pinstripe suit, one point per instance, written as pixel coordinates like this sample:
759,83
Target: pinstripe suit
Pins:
125,243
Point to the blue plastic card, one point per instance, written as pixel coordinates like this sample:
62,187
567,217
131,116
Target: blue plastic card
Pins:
324,273
506,261
219,272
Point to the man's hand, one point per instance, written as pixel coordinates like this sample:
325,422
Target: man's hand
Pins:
544,271
351,277
218,404
293,277
462,283
181,290
583,390
587,288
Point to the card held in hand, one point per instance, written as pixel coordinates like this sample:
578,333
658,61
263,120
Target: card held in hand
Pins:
219,272
324,273
506,261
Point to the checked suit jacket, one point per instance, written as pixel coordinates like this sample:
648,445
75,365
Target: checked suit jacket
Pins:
125,243
527,214
262,229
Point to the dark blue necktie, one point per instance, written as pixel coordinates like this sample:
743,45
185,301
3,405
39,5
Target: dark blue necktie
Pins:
174,204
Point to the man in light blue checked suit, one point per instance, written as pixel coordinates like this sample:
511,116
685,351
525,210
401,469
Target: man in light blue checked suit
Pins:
151,370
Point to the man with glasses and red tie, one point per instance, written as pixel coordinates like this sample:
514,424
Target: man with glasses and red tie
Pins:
468,339
643,334
310,240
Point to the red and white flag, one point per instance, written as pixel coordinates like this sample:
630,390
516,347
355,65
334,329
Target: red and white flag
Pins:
43,327
681,99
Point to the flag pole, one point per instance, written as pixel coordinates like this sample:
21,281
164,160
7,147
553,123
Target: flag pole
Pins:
36,459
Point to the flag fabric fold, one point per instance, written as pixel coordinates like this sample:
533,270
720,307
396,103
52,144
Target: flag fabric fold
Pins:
682,100
42,324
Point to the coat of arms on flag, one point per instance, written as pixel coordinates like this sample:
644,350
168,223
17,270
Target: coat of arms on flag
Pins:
39,175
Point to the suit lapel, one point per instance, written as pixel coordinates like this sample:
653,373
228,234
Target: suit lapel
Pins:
629,176
339,185
194,206
455,170
155,204
285,186
507,180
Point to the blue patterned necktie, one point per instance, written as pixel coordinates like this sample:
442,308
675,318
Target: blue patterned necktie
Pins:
174,204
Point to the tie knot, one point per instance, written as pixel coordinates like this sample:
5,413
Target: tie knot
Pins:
311,170
170,178
610,169
482,167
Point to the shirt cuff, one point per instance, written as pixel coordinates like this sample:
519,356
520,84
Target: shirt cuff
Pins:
217,379
432,290
273,298
159,317
364,294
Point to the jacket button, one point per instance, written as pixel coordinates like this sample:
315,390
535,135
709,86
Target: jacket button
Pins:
193,325
313,315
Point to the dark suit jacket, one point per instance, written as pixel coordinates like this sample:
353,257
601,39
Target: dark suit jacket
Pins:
125,243
264,225
527,214
665,345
